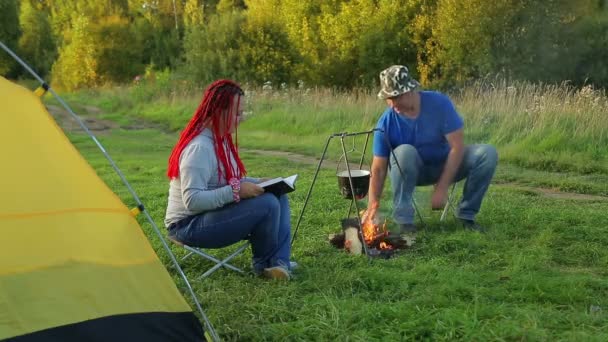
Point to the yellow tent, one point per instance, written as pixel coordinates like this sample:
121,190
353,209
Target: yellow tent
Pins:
74,263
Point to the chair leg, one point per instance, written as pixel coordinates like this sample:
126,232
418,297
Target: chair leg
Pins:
448,204
186,256
218,263
417,211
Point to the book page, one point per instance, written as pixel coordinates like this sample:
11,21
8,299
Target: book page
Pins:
291,180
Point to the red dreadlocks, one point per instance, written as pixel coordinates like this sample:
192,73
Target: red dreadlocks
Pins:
218,99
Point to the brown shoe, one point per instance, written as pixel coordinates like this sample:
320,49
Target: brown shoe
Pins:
277,272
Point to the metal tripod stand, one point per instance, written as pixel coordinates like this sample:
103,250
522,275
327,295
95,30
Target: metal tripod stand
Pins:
352,188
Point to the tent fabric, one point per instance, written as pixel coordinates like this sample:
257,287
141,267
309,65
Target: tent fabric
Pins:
149,327
71,253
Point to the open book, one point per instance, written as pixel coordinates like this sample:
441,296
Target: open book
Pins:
280,186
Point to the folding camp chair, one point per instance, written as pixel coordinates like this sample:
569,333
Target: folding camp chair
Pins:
218,262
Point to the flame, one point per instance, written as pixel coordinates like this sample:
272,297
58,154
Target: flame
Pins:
369,231
372,232
384,245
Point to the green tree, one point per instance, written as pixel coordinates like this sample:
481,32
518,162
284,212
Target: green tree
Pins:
522,39
213,51
421,32
36,44
9,35
194,13
542,42
64,12
462,38
77,63
363,37
265,46
225,6
157,29
299,20
117,50
589,43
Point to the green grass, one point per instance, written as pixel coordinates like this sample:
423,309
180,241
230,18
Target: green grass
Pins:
540,273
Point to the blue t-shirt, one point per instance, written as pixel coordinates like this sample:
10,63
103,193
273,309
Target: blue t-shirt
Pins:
426,133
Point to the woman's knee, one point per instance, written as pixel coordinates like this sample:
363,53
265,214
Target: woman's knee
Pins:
269,202
284,201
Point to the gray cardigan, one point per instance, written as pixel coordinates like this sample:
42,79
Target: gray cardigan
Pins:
198,187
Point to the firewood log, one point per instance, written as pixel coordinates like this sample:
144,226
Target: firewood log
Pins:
351,241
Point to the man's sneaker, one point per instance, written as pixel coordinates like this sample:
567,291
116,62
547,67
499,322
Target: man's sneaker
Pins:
409,238
407,228
277,272
472,225
293,265
407,232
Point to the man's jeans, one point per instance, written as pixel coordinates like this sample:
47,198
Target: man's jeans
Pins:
263,220
478,165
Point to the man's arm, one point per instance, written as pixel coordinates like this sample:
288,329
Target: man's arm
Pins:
376,184
456,141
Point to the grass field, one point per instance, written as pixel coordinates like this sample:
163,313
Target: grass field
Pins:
540,273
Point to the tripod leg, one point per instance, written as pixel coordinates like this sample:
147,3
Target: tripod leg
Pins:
314,179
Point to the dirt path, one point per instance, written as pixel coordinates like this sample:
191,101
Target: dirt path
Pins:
91,116
292,157
69,124
552,193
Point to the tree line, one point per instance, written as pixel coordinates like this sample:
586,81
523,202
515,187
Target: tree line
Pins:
335,43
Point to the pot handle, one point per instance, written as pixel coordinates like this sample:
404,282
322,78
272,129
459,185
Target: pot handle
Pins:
344,157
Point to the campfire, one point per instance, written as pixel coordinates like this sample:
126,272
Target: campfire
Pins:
377,239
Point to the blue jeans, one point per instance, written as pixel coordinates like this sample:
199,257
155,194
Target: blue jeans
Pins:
263,220
478,165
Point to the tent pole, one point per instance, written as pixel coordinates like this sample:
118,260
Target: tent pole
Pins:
208,325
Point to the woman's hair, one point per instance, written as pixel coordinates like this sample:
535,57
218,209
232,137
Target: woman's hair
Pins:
218,99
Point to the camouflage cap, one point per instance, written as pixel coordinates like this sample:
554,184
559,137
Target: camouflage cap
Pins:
395,81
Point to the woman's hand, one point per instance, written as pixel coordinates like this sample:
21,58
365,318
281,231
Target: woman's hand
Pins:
249,190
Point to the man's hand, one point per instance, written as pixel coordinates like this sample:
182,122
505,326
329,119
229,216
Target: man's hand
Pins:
249,190
439,199
369,214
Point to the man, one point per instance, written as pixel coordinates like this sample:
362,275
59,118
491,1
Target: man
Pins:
426,136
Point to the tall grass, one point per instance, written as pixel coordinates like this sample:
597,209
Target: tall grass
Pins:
547,127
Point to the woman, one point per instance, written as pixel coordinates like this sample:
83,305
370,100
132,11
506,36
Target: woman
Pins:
210,204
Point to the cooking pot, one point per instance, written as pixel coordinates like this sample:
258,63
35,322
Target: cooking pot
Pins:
360,183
